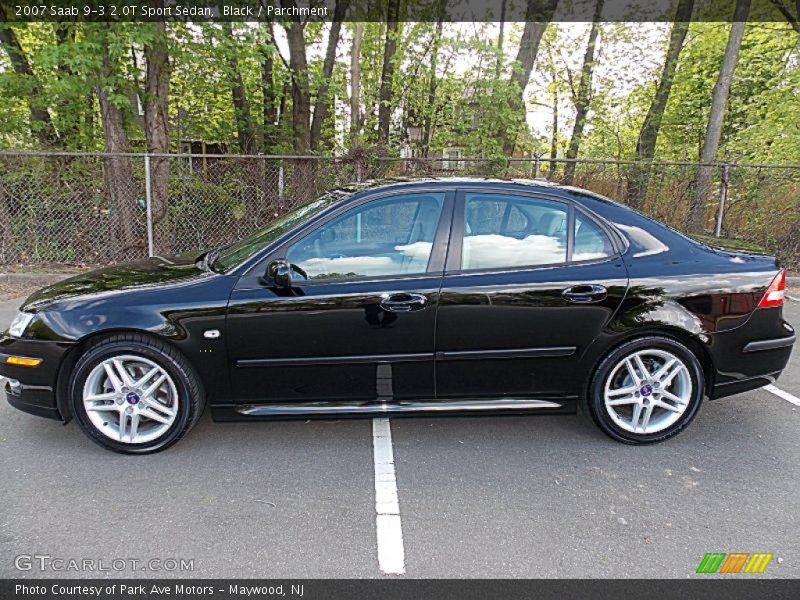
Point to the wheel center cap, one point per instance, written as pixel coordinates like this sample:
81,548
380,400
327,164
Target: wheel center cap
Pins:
645,390
132,398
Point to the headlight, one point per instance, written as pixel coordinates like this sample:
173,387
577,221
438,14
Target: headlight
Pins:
20,324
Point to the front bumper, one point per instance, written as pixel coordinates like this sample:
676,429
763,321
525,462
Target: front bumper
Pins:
36,400
32,389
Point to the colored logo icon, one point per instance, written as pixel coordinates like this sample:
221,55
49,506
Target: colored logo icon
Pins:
735,562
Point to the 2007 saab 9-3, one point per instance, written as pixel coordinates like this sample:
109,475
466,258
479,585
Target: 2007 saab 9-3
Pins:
439,296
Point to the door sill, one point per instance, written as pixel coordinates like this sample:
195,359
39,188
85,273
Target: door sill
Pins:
243,412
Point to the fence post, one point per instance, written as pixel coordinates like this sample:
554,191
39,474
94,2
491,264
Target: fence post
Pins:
723,196
148,195
280,184
536,166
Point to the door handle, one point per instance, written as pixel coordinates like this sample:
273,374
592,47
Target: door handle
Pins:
585,293
403,301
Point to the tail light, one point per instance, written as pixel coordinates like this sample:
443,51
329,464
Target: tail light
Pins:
774,295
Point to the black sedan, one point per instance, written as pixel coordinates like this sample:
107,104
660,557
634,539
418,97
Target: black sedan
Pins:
405,298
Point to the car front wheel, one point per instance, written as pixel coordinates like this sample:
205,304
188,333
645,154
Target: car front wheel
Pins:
135,394
646,391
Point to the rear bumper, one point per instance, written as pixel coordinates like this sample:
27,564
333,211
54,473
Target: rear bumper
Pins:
773,344
753,355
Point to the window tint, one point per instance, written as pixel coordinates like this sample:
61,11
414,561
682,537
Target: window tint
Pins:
590,241
513,231
385,237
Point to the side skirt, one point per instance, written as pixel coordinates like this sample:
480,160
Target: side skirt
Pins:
466,407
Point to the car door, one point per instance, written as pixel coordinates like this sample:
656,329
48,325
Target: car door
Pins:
357,325
529,284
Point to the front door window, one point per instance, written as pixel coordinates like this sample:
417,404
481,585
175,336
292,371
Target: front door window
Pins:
391,236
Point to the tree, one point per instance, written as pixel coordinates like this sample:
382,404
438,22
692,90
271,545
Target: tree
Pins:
428,123
156,118
355,84
245,130
695,222
301,95
387,73
792,18
583,96
117,170
648,135
41,122
536,21
270,105
322,106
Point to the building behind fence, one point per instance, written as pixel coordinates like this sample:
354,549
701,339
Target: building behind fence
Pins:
64,209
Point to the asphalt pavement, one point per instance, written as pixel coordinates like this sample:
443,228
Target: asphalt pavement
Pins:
533,496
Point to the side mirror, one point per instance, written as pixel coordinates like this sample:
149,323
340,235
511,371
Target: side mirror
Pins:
279,274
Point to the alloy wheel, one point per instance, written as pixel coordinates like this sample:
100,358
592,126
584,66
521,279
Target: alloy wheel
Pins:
130,399
648,391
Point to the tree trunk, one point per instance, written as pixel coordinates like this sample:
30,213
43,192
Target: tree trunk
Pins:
554,136
41,123
536,21
270,106
355,85
648,135
387,74
433,84
695,222
117,171
301,96
322,107
245,130
156,119
498,67
68,107
584,96
792,19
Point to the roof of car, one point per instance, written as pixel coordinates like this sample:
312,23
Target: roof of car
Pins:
398,181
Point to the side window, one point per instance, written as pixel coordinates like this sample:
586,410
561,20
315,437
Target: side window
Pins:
393,236
591,242
512,231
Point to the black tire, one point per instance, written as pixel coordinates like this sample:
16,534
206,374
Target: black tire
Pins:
595,393
189,388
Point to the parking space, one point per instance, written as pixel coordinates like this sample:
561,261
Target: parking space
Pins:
478,497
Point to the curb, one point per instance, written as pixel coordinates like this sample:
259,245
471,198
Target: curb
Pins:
33,279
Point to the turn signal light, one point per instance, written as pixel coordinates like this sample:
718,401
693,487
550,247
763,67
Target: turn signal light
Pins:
775,292
23,361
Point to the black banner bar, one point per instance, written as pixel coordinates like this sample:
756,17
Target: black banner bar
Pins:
376,10
732,588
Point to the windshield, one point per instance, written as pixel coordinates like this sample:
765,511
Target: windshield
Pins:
236,253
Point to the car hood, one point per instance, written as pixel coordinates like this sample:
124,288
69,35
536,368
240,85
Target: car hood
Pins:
152,272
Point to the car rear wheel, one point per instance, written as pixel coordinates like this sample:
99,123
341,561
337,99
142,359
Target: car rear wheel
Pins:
135,394
646,391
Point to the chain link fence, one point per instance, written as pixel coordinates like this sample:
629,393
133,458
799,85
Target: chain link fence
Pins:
60,209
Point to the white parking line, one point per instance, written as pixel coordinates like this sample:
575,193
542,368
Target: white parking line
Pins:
391,556
792,298
782,394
